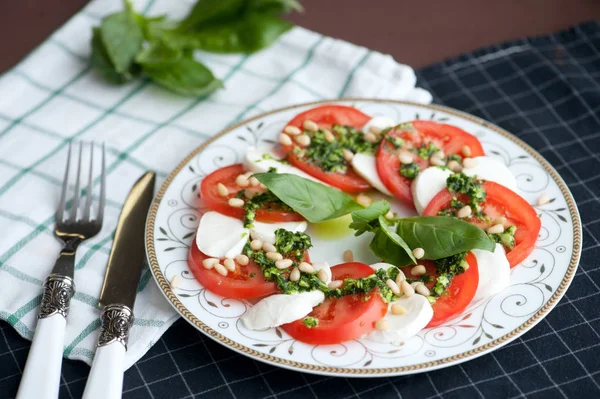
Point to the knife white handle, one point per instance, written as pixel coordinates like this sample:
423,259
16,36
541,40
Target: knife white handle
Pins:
106,376
41,377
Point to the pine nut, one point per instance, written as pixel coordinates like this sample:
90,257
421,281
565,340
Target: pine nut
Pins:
229,264
500,220
283,263
262,186
418,252
348,155
222,190
370,137
292,130
375,130
389,215
256,244
543,199
382,325
469,162
268,247
295,274
236,202
455,166
464,212
242,181
407,289
363,200
414,285
175,281
400,278
310,125
303,140
335,284
398,309
306,267
405,158
249,194
418,270
438,154
253,181
466,150
421,289
210,263
496,229
274,256
348,256
284,139
221,269
393,286
322,275
436,161
329,136
242,259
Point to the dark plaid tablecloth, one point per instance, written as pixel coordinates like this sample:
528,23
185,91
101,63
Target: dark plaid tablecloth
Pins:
546,91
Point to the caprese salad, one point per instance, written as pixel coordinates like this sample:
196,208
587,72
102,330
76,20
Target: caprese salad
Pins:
471,229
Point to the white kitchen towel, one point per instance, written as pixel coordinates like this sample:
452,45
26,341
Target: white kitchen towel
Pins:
54,96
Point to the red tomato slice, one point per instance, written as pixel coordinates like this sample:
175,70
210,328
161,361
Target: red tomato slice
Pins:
458,295
341,319
236,284
446,137
327,116
501,201
227,175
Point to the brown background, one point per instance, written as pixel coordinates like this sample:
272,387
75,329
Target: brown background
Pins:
417,32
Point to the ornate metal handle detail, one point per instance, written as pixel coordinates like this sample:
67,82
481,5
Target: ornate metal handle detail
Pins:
58,291
116,322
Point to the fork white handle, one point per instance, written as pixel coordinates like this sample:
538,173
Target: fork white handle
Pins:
41,377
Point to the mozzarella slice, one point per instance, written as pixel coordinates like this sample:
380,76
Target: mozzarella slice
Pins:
266,231
494,272
323,266
221,236
279,309
261,160
492,169
427,184
402,327
364,165
380,122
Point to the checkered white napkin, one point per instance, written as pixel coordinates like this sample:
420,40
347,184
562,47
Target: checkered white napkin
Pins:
53,96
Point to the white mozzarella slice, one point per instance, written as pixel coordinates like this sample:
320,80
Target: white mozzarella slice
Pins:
279,309
488,168
364,165
266,231
494,272
427,184
384,266
402,327
261,160
380,122
323,266
221,236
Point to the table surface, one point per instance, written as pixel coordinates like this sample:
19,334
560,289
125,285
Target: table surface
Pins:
414,32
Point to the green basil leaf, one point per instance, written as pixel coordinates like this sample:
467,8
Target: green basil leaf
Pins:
362,220
274,7
158,53
442,236
315,201
207,12
185,76
103,65
122,38
390,247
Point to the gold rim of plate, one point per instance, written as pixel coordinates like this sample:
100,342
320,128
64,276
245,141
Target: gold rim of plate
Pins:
537,317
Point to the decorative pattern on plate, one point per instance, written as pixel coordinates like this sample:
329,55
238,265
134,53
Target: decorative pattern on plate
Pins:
536,285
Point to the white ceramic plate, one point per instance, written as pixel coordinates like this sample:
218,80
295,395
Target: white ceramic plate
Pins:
536,285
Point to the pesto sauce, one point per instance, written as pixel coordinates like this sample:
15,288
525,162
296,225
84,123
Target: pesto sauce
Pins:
410,170
447,268
310,322
426,150
506,238
459,183
266,200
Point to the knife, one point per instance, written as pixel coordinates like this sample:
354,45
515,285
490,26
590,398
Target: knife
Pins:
118,292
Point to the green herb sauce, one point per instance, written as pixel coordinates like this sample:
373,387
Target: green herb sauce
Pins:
507,238
266,200
410,170
310,322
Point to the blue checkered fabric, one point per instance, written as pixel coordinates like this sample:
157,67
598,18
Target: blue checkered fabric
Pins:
546,91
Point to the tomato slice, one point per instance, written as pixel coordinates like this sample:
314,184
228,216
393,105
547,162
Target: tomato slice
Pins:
501,201
327,116
459,294
236,284
342,319
448,138
227,175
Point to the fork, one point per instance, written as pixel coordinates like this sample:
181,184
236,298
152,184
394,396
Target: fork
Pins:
41,377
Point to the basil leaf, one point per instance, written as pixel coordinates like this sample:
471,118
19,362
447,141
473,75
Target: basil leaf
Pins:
211,11
122,38
390,247
315,201
184,76
363,218
158,53
102,63
442,236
